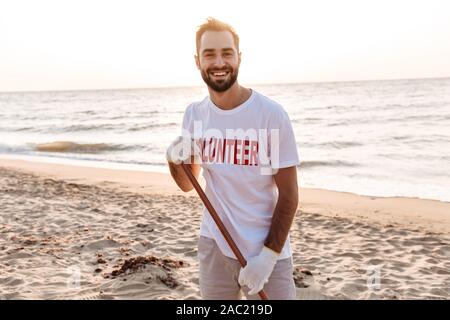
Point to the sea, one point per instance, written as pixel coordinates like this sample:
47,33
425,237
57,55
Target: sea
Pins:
379,138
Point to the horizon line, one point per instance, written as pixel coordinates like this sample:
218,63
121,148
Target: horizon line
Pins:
198,86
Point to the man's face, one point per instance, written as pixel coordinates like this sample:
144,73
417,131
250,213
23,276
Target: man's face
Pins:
218,60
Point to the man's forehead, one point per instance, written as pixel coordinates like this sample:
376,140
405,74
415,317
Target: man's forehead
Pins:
216,40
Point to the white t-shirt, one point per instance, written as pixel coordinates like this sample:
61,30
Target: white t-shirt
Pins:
241,150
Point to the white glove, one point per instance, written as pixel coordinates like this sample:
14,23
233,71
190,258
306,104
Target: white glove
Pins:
258,270
181,150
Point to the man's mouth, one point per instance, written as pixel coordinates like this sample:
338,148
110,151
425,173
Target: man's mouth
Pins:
219,74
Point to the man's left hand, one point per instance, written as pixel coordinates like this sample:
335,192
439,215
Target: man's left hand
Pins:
258,270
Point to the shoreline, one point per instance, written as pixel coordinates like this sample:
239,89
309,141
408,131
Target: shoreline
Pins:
429,215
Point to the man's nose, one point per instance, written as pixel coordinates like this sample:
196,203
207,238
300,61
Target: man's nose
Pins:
219,61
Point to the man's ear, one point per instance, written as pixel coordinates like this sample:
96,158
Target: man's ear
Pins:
239,58
197,61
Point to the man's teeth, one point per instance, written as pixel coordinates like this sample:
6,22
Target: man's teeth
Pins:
219,73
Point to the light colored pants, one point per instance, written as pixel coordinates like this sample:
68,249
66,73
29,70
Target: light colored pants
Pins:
219,276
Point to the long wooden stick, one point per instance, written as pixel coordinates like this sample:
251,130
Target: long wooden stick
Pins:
219,223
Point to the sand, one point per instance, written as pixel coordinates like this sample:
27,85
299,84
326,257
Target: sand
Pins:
72,232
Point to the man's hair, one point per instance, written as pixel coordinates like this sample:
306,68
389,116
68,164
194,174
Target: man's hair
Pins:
213,24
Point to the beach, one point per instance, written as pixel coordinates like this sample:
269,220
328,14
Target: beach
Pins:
78,232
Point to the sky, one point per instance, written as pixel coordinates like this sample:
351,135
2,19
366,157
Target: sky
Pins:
68,45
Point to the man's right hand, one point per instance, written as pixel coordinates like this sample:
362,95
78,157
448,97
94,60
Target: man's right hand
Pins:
181,150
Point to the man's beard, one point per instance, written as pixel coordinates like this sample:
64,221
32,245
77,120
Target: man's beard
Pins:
220,85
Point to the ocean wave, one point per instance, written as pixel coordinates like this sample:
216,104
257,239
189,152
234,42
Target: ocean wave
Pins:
421,117
72,147
89,127
13,149
86,112
122,127
23,129
330,144
414,140
340,144
332,163
152,126
399,137
69,128
305,120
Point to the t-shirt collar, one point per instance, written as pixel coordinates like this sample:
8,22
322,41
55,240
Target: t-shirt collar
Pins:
234,110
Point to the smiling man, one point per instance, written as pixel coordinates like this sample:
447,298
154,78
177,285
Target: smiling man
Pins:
245,146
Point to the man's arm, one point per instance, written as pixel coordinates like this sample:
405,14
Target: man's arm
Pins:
286,181
180,176
258,269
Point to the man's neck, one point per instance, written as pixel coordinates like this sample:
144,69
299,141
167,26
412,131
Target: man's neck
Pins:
230,99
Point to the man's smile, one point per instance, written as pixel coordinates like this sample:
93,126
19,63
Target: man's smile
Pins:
219,74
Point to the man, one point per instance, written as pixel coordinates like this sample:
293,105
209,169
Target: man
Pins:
245,145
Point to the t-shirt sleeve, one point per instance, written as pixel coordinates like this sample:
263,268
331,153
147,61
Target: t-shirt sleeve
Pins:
283,147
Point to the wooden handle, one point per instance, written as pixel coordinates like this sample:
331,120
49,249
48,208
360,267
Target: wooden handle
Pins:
219,223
